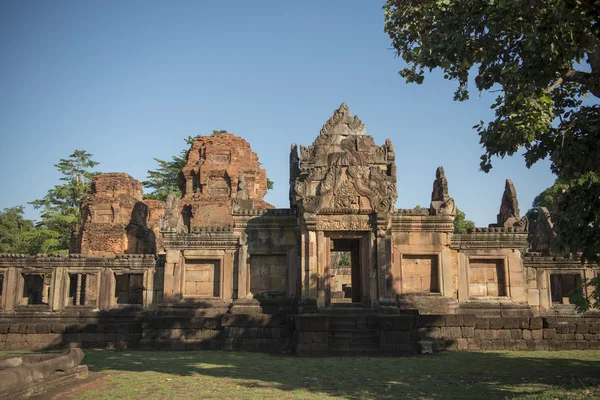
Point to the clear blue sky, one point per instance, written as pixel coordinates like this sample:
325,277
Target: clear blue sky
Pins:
129,80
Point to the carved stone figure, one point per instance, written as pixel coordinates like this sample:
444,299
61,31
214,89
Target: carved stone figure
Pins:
242,190
441,202
509,214
172,219
544,233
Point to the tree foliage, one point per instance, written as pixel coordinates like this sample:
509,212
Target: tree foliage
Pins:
60,207
167,178
543,58
461,223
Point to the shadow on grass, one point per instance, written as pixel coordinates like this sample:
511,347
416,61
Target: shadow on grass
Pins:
462,375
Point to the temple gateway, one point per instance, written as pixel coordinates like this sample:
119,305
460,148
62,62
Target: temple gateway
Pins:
341,271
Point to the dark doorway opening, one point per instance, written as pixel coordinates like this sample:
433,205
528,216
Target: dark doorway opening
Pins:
345,271
563,287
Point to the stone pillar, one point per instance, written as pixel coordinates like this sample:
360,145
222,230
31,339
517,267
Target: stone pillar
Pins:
227,283
172,276
242,277
463,278
312,266
384,262
148,299
13,287
321,261
445,272
106,297
60,288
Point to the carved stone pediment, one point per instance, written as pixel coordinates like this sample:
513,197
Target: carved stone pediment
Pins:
344,170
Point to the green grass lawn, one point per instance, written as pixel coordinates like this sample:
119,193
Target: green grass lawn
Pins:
231,375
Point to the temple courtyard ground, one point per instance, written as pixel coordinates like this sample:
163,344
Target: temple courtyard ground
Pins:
238,375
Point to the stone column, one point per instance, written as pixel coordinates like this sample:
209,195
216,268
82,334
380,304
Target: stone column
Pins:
320,270
60,288
148,299
384,262
463,278
13,287
242,277
445,272
172,276
227,276
106,297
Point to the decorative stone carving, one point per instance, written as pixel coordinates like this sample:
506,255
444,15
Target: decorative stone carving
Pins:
344,170
344,223
441,202
242,191
543,233
172,219
294,173
509,214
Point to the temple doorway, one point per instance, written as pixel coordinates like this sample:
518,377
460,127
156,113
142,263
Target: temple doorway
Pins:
345,281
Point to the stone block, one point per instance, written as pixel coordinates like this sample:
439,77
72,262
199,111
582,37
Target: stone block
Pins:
312,323
582,327
562,327
473,344
523,323
496,323
565,336
431,321
403,322
504,334
498,345
450,332
212,323
482,323
579,336
582,345
454,320
3,328
250,320
542,345
484,334
526,334
468,332
535,323
511,323
30,329
318,349
549,333
469,320
537,334
276,333
522,345
462,344
594,327
516,334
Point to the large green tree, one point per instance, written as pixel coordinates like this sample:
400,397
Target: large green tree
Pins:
543,60
167,177
461,223
60,207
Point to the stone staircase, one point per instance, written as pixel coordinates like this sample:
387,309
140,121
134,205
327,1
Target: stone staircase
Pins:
353,334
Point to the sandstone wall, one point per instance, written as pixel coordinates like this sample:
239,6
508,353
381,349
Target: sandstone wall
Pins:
115,220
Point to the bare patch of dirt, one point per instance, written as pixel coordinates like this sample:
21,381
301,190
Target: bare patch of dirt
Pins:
94,381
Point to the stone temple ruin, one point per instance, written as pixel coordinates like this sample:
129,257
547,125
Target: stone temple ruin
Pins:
339,272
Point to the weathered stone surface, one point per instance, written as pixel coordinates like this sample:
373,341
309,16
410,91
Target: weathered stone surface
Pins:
441,202
222,174
115,220
345,170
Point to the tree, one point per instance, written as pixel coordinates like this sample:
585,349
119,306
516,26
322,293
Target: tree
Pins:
543,58
167,177
60,207
13,228
461,223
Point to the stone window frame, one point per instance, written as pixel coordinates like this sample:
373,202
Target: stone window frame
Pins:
438,254
505,265
210,256
20,286
581,271
83,271
128,272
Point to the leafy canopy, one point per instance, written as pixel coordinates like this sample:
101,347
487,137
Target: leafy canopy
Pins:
461,223
543,58
60,207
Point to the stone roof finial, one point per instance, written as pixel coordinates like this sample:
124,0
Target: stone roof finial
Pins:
509,209
342,123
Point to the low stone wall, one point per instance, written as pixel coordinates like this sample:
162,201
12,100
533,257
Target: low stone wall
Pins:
401,334
307,335
257,332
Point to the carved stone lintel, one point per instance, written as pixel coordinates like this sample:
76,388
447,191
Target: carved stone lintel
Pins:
344,223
